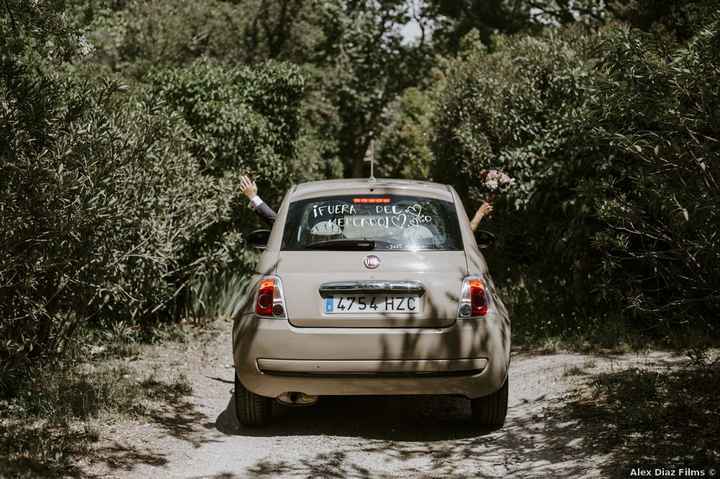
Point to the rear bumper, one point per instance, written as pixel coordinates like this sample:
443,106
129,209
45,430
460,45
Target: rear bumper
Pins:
469,358
366,367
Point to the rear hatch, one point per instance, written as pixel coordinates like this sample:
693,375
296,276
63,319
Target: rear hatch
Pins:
439,275
372,260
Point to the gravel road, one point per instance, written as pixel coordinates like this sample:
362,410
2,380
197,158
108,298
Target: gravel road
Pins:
198,436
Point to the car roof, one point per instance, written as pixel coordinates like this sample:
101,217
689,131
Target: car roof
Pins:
351,186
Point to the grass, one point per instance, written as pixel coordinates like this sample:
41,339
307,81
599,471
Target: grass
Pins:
220,295
125,340
52,420
548,343
612,336
574,371
641,416
50,415
597,342
542,327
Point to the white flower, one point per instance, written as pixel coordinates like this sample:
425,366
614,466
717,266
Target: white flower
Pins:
495,180
84,46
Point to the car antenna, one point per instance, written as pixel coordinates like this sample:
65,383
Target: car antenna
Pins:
370,156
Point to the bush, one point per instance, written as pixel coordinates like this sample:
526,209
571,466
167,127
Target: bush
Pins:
244,120
136,36
115,207
98,217
403,148
660,122
520,108
612,138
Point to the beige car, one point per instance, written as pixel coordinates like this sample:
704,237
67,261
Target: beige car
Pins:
371,288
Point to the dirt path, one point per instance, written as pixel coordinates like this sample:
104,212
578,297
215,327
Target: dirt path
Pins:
198,435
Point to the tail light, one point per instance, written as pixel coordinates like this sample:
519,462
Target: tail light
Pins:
269,300
474,298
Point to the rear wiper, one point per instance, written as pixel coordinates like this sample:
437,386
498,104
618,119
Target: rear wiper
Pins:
344,244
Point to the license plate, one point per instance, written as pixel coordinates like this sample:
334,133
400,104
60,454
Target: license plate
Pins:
369,304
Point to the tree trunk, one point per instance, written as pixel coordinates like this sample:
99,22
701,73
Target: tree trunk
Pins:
358,166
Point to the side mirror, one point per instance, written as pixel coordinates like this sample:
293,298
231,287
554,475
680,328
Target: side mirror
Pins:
485,239
258,239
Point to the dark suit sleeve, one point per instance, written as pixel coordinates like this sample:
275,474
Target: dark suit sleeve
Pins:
267,214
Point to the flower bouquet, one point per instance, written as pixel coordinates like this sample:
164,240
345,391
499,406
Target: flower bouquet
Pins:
495,182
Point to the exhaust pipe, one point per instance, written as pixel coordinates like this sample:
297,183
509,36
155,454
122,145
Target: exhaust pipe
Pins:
294,398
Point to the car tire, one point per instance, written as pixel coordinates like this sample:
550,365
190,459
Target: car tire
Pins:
251,409
491,410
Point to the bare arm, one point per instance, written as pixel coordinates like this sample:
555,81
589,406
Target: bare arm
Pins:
484,210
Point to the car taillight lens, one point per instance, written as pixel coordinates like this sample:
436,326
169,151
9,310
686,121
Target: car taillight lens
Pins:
269,299
474,298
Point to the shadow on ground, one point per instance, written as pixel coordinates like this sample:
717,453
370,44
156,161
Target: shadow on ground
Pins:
412,431
176,413
46,431
641,417
602,428
409,418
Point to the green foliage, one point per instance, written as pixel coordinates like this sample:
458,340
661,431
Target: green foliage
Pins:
352,54
115,205
454,19
404,147
680,19
98,217
660,121
244,121
139,35
614,148
366,65
519,108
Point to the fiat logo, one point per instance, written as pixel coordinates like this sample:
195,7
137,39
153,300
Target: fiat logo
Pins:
371,261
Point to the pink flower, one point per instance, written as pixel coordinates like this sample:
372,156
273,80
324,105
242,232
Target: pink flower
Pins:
495,180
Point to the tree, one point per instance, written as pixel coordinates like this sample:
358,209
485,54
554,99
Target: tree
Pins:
114,202
612,138
403,147
366,66
454,19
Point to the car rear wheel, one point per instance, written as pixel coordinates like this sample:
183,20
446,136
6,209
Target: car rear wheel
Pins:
251,409
491,410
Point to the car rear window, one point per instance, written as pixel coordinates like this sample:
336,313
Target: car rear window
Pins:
391,222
